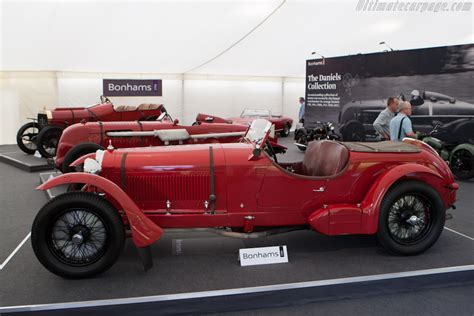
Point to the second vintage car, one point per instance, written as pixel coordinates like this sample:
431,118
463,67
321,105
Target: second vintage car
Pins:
397,191
84,138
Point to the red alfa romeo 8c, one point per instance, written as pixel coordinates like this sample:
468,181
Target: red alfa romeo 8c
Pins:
397,191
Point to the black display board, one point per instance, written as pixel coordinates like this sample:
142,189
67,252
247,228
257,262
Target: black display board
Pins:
334,84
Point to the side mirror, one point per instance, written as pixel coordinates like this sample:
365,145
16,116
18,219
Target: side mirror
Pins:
175,122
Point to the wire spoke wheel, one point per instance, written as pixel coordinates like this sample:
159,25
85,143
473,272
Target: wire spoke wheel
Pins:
409,218
462,164
78,237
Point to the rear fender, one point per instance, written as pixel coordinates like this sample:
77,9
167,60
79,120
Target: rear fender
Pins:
371,203
468,147
144,231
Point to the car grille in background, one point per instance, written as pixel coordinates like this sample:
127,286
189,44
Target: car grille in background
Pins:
183,191
42,120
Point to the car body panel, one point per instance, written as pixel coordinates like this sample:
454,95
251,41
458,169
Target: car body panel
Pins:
97,132
171,185
65,116
278,120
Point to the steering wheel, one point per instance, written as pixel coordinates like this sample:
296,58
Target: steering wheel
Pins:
269,149
104,99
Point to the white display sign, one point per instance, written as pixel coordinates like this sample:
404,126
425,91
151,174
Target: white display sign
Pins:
263,255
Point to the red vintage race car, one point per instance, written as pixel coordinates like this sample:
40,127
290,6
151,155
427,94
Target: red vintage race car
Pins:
84,138
43,133
398,191
282,123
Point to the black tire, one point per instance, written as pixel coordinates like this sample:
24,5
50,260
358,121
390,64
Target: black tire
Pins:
76,152
27,136
353,131
286,130
301,139
395,213
57,216
462,164
48,140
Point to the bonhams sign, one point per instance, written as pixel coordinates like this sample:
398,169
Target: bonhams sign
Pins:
132,88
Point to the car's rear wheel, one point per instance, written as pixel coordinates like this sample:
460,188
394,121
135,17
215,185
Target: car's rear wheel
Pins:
77,235
411,218
26,137
286,130
462,164
48,140
77,152
353,131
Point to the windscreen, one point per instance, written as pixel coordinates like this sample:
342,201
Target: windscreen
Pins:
258,132
255,113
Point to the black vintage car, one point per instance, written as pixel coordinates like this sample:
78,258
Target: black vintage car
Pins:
356,117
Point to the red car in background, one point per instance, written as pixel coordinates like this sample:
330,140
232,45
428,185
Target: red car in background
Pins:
84,138
399,191
282,123
43,134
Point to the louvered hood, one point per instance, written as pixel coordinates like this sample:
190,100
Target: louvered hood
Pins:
154,176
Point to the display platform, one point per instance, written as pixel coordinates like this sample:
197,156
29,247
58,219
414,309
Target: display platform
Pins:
199,271
15,157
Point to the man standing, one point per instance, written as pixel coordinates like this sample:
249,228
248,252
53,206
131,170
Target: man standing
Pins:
382,122
301,113
400,125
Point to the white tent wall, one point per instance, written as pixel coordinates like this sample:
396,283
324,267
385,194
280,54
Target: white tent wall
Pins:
23,94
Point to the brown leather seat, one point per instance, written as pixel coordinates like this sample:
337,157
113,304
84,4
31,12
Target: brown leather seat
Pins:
148,106
324,158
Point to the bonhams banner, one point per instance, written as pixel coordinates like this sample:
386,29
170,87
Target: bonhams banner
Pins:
132,88
352,90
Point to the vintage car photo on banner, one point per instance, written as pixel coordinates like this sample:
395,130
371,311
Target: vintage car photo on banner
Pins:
237,157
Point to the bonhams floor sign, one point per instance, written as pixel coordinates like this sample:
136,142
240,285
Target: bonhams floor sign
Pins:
263,255
132,88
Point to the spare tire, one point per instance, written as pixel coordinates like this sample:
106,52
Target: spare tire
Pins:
77,152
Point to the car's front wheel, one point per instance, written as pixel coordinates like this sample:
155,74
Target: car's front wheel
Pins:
77,235
411,218
48,140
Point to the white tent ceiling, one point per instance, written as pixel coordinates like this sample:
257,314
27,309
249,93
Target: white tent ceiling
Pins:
174,37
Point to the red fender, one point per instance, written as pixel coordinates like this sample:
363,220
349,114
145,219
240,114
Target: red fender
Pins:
144,231
371,203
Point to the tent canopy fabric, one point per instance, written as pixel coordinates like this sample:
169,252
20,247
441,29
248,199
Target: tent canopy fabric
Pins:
176,36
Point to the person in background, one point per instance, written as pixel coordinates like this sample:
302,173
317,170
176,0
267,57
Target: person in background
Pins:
382,122
301,113
400,125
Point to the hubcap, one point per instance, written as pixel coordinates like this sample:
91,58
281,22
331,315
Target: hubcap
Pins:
409,218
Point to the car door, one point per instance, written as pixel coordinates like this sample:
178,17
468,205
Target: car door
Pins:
282,191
